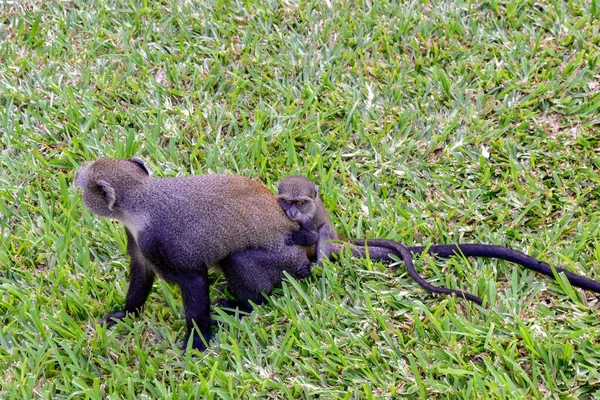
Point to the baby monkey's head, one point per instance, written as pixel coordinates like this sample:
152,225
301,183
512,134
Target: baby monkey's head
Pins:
297,195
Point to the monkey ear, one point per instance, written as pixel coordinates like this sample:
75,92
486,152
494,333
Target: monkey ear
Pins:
316,190
140,163
109,194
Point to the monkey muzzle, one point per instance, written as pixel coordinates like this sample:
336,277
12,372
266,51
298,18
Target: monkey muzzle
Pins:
294,214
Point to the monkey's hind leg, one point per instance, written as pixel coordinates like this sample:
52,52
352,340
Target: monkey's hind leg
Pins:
252,272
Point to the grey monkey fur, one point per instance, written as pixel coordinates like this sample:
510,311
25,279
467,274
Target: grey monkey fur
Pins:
177,227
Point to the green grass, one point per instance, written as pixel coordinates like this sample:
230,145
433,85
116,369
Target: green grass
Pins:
422,122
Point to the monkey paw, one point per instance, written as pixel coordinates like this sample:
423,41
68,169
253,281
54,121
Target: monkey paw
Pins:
304,270
112,319
290,239
302,237
196,343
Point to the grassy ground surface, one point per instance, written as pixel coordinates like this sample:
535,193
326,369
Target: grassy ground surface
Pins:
423,122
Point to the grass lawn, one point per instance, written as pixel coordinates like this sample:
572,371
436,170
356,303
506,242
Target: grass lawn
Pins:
422,122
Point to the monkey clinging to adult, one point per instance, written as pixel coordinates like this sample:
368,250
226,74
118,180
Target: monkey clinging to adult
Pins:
298,197
178,227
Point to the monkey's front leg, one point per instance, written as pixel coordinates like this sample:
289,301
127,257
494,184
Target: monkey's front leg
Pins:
141,278
196,304
325,248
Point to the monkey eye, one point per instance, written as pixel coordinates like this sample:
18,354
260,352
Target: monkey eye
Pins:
288,202
299,203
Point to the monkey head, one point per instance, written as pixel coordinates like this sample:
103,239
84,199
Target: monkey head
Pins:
296,196
107,181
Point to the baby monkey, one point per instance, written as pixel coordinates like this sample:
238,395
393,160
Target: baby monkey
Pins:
298,196
299,199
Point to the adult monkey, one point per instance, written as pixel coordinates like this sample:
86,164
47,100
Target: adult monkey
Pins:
298,197
177,227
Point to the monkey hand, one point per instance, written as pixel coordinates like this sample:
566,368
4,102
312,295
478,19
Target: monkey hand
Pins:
304,271
112,319
302,237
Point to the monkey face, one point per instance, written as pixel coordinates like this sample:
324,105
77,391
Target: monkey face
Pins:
296,197
298,210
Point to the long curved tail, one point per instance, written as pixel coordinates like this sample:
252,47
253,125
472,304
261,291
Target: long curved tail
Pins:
405,253
504,253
